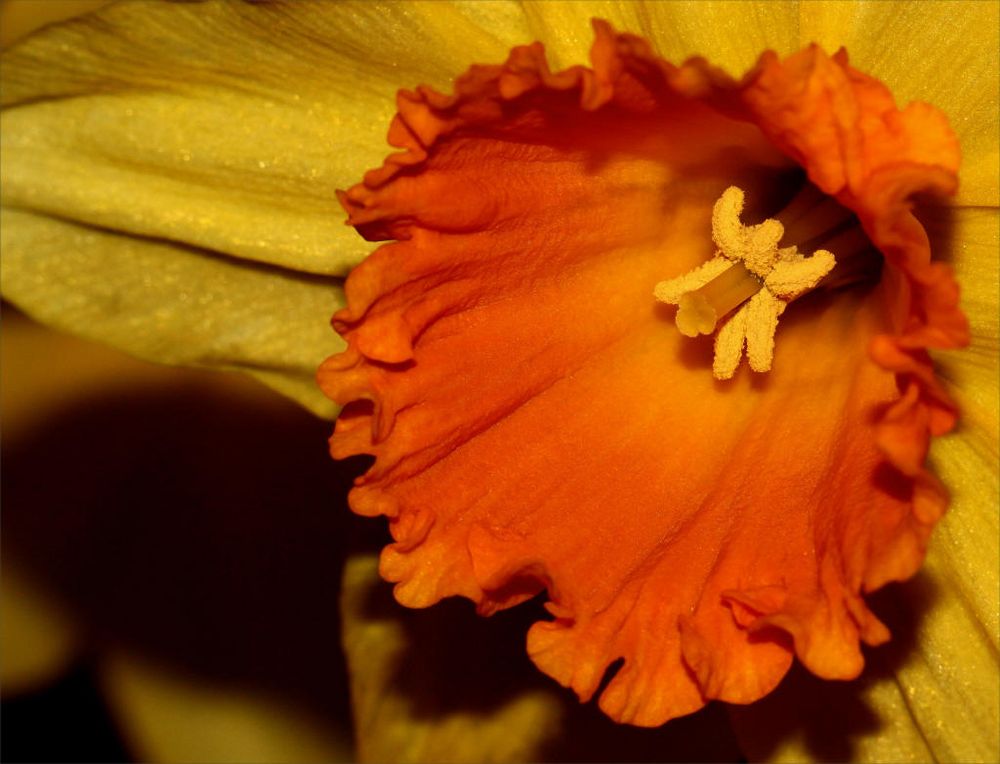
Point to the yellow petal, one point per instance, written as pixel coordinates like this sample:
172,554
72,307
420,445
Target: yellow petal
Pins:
172,303
218,124
952,682
944,53
731,33
969,239
19,18
39,638
186,138
171,716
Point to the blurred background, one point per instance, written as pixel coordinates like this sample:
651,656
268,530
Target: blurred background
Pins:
172,549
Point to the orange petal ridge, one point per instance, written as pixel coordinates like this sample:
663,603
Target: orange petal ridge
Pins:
537,422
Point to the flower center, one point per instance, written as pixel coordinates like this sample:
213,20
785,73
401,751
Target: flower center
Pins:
740,293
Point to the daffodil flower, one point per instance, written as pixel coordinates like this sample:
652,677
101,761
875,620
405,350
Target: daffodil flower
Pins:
538,422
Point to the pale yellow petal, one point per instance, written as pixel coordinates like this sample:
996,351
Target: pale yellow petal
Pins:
730,33
173,303
563,26
39,638
969,240
942,52
951,680
962,643
172,716
167,142
225,125
19,18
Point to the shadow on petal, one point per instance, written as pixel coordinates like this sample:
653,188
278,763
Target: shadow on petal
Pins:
443,684
809,718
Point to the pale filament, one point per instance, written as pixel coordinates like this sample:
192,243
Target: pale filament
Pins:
856,262
809,215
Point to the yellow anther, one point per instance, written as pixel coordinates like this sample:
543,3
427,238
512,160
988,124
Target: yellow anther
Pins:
743,289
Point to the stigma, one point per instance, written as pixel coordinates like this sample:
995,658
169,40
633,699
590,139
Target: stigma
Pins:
739,294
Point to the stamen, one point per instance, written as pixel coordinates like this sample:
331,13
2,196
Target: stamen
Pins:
750,280
700,310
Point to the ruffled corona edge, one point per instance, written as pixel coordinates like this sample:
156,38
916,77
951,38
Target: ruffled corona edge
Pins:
720,632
